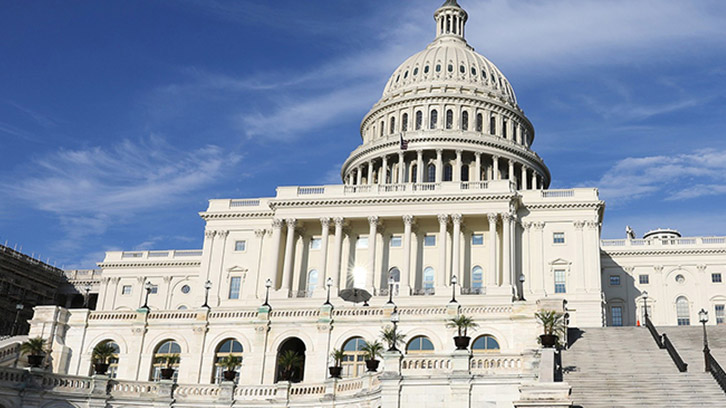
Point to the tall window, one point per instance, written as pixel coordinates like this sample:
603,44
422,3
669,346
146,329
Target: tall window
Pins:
240,245
449,119
354,359
716,277
485,344
414,173
312,281
682,311
383,126
394,273
419,120
558,237
504,128
614,280
465,120
428,278
431,173
166,349
234,285
420,344
447,172
113,361
228,348
616,315
560,281
477,277
396,241
404,122
644,279
465,172
361,243
433,119
479,122
493,125
393,125
720,315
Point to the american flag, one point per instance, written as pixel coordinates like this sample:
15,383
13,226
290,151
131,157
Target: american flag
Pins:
404,143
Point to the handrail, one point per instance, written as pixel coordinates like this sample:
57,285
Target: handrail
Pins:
654,332
716,371
682,367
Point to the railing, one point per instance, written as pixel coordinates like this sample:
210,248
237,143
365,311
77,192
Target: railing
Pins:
682,367
173,315
111,315
310,190
426,186
424,292
188,252
473,291
244,203
10,352
236,314
663,242
474,185
558,193
255,392
716,371
480,364
425,364
364,188
653,332
388,188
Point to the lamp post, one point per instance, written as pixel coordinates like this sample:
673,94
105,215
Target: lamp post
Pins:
454,281
394,320
148,287
86,295
268,285
329,284
391,281
703,318
521,287
18,308
645,306
207,286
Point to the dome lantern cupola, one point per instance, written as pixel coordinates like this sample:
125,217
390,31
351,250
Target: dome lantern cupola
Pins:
450,20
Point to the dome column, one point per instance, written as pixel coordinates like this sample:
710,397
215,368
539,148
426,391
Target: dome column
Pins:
510,170
370,172
492,276
441,276
477,155
419,166
383,171
405,281
289,257
495,168
359,175
506,249
523,185
372,232
400,168
439,165
455,246
457,171
534,180
337,249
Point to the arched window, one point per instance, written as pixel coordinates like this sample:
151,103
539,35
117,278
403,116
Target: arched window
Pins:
449,119
419,120
290,361
493,125
228,348
383,126
431,173
414,173
420,344
434,119
312,281
394,273
485,344
682,311
447,172
169,349
465,120
479,122
428,278
113,360
354,360
465,172
404,122
477,278
393,125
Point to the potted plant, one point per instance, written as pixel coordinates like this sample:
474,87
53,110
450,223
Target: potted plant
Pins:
392,337
36,349
372,350
230,364
102,355
289,362
169,361
553,325
462,323
336,369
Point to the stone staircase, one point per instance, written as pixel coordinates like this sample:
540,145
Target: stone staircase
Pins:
689,342
623,367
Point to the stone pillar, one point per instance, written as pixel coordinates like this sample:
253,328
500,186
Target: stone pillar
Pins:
441,280
289,257
372,232
457,170
401,166
493,273
337,248
439,165
359,175
383,172
391,380
405,282
419,166
495,168
523,184
477,155
370,172
506,249
511,170
325,232
455,247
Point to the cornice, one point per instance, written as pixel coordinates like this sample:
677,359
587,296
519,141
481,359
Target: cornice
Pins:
663,251
234,215
390,200
564,205
158,264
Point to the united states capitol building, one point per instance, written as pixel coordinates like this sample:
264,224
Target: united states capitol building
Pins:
443,209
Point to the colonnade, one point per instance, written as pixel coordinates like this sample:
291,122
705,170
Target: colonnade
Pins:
500,251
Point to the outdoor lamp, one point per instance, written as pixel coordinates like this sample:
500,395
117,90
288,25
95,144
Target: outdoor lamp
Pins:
207,286
329,284
268,285
394,320
703,318
521,287
391,281
454,281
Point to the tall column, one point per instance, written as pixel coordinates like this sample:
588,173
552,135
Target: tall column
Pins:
337,248
359,175
401,166
441,280
477,155
580,258
275,264
455,247
383,172
372,232
439,165
406,272
289,256
370,172
523,184
492,275
457,170
419,166
510,172
495,168
323,277
534,180
506,249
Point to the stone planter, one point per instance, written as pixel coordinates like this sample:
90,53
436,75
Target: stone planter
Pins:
548,340
35,361
100,368
335,371
167,373
229,375
372,365
462,342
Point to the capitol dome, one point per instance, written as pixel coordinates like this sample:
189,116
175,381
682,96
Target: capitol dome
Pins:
447,114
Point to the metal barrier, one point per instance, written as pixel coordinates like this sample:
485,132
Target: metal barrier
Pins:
716,371
682,367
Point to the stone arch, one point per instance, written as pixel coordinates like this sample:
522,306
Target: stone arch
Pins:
292,343
350,333
151,345
498,335
304,337
435,338
110,336
215,341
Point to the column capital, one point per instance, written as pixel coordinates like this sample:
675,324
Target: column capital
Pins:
456,218
458,152
477,154
578,224
325,222
222,233
419,152
439,152
408,220
493,217
210,233
495,157
443,218
277,223
291,222
373,220
339,221
259,233
526,225
507,216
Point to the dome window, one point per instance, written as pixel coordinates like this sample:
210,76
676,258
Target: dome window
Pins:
434,118
451,67
415,71
449,119
448,172
426,69
431,173
393,125
465,120
419,120
493,125
462,69
404,122
438,67
397,78
405,75
473,71
479,122
504,128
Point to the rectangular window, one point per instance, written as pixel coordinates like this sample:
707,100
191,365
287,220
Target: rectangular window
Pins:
240,245
362,243
477,239
558,237
560,281
316,243
396,242
616,313
126,290
234,285
644,279
720,315
430,240
154,289
614,280
716,277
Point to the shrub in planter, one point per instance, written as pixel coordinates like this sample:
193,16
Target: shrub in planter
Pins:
169,361
289,362
336,369
372,350
553,325
462,323
36,349
102,355
230,365
393,337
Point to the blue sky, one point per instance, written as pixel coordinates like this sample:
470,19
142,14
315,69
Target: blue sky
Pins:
118,120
